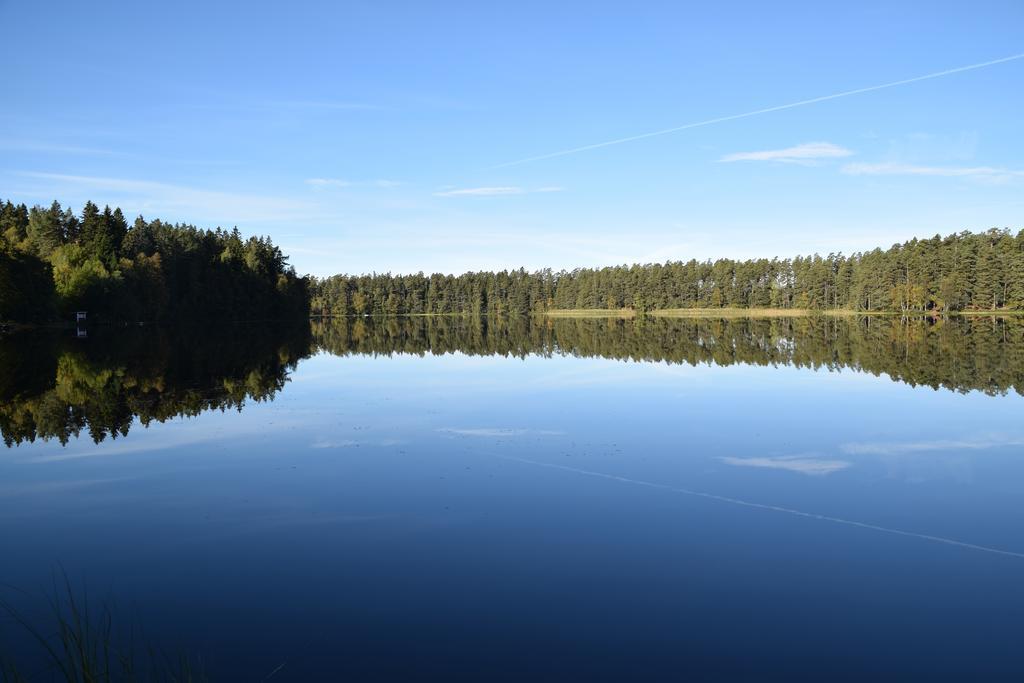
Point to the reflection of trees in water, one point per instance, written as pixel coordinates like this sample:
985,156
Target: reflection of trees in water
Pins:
960,354
59,387
55,387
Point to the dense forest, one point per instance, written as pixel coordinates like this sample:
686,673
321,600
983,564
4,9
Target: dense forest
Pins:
53,262
961,272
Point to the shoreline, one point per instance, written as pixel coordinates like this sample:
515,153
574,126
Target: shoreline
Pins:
767,313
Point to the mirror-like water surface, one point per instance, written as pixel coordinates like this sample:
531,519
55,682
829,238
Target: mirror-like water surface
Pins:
417,498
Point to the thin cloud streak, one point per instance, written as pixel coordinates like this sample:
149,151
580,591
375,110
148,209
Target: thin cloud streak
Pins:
151,196
889,168
806,152
494,191
50,148
758,112
314,104
810,466
480,192
341,182
328,182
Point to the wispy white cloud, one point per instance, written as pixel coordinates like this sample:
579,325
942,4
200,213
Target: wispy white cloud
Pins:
925,446
480,192
894,168
328,182
811,466
803,153
493,191
341,182
321,104
922,147
52,148
190,203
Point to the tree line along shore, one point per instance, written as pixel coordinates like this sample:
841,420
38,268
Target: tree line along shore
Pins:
54,262
964,272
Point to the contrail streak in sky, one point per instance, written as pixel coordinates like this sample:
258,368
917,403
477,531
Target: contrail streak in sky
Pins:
765,506
781,107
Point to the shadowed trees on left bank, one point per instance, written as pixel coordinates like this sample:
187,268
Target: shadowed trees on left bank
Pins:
53,262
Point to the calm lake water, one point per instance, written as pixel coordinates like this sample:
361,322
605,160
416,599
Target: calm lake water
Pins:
445,499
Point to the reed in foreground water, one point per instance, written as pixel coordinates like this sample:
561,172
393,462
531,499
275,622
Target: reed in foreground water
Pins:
82,643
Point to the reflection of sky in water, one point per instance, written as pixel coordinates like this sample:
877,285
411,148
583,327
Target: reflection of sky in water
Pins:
504,504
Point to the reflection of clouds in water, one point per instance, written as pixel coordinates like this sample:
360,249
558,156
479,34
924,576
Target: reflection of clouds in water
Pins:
498,432
764,506
930,459
485,431
177,433
900,447
812,466
351,443
28,488
324,443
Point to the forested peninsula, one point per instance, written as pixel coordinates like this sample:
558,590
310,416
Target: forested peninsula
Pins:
54,262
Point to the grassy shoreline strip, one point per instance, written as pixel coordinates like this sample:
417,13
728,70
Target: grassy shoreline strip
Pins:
759,313
591,313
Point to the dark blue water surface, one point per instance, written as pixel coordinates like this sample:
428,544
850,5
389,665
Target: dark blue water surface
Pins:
458,504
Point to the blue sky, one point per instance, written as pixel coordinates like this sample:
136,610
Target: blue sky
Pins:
377,136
